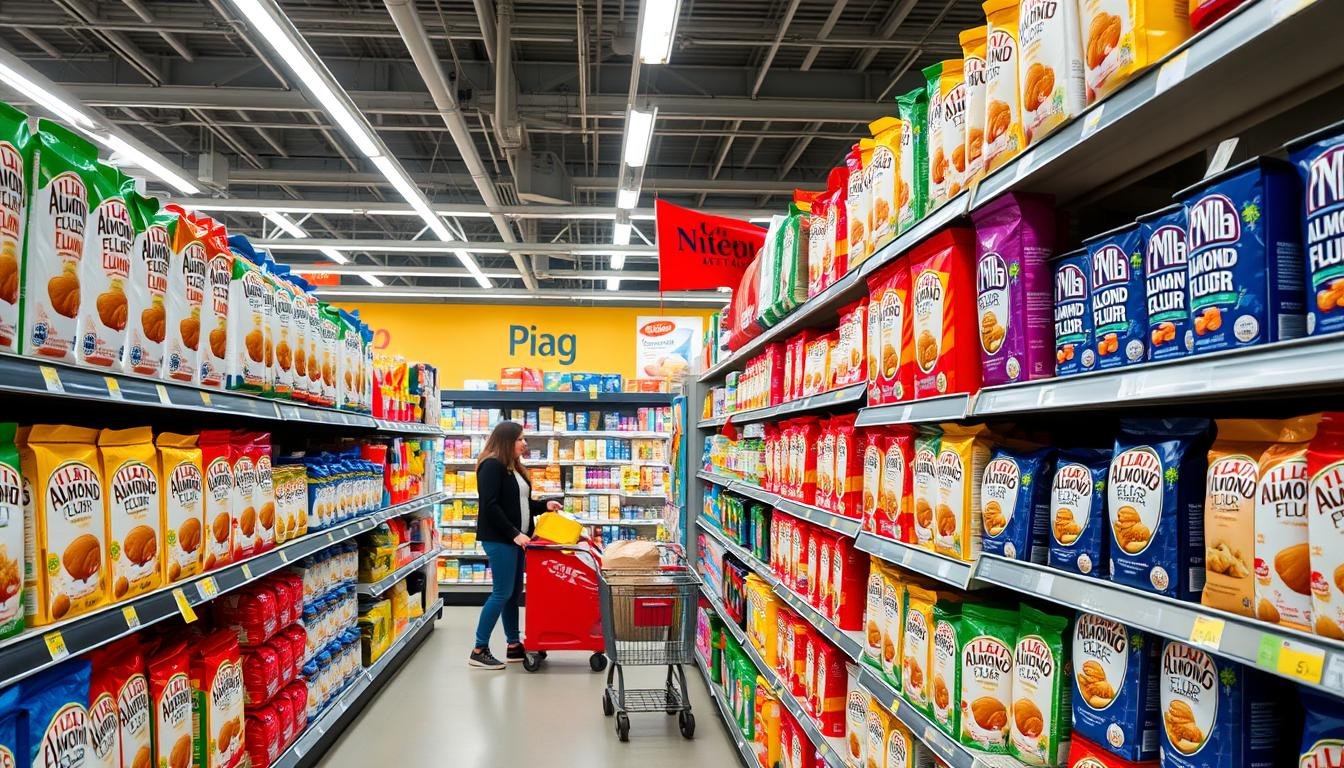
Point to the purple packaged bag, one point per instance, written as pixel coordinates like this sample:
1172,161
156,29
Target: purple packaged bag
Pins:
1015,236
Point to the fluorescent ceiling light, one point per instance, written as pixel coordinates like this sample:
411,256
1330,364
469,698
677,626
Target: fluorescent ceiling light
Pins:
285,224
408,191
371,280
621,234
627,198
618,261
638,136
613,283
134,156
45,99
334,255
657,28
301,60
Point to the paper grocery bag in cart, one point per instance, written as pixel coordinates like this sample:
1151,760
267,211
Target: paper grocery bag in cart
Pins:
642,608
630,555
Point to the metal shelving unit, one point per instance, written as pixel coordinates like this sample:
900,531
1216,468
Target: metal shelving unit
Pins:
836,397
957,573
846,525
382,585
744,747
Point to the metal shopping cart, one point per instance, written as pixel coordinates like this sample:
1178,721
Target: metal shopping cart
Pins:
648,619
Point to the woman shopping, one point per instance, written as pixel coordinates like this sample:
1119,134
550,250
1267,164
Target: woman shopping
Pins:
504,527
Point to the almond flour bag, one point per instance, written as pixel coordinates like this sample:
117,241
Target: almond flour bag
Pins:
917,645
69,523
146,309
962,456
856,207
989,636
217,464
171,695
282,324
1003,114
893,625
215,307
1325,526
182,503
936,171
104,732
349,354
886,187
818,246
1121,38
1282,578
952,84
132,489
13,538
217,701
945,696
104,269
330,326
301,312
64,167
249,329
186,291
973,65
16,154
1042,690
1051,66
913,190
243,459
924,469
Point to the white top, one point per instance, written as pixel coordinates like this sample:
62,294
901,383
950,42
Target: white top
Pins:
524,505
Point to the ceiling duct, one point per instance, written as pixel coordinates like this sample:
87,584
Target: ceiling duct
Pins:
508,131
542,178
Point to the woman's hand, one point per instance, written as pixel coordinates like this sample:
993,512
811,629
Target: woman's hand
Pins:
554,506
522,540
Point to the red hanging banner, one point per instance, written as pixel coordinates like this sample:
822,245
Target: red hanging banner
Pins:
699,251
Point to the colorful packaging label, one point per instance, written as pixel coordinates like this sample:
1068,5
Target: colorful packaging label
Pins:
1073,315
1118,298
1165,273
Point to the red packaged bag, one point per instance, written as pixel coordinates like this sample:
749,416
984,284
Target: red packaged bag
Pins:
104,734
284,713
802,454
265,493
135,715
794,744
217,464
942,279
250,613
837,222
1203,13
848,467
852,365
830,689
288,589
896,493
298,643
297,692
171,698
848,585
1085,754
825,495
261,675
245,453
217,685
743,310
284,653
871,455
891,367
263,737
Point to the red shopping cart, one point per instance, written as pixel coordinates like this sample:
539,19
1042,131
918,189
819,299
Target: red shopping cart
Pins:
563,613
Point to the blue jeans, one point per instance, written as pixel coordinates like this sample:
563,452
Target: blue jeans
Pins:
506,566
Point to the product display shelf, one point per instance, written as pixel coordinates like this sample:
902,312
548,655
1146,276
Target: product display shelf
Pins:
830,750
382,585
1311,660
633,435
457,524
847,526
42,647
597,462
592,397
462,496
928,410
327,725
476,553
611,492
817,402
947,749
957,573
847,642
744,748
623,523
465,586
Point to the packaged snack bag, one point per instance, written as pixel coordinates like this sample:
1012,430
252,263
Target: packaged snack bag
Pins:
104,732
1124,37
16,155
962,456
243,502
924,482
973,66
257,447
217,464
146,318
1243,242
1085,754
989,636
917,645
303,311
848,466
282,329
872,478
217,701
1282,578
1115,695
1322,731
1116,285
1325,466
936,171
64,172
849,574
61,463
887,189
945,697
791,275
1155,499
903,750
182,499
912,194
832,688
893,625
135,712
171,694
132,491
878,726
1015,237
873,627
316,344
1015,503
1051,66
104,269
1039,727
942,271
330,327
851,367
263,729
1316,156
250,324
13,537
183,298
819,246
215,309
1078,542
825,495
895,501
1217,712
1073,315
892,342
1162,238
55,707
856,207
857,705
952,85
1003,114
837,222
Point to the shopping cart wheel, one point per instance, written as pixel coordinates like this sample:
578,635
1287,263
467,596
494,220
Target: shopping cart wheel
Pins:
608,708
598,662
687,723
532,661
623,726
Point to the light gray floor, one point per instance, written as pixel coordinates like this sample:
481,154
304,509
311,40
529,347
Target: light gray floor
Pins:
437,711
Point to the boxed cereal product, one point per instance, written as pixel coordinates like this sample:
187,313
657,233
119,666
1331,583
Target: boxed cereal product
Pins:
1245,256
1039,728
132,492
942,284
1073,315
973,66
16,156
1325,510
912,197
186,291
213,324
217,701
1119,309
924,482
170,693
1155,500
886,186
1165,272
104,269
1121,39
1115,679
55,718
13,538
70,519
988,636
1217,712
962,456
1015,237
891,335
1078,542
945,696
182,501
1051,67
1315,156
146,286
1003,112
217,465
1283,582
1015,503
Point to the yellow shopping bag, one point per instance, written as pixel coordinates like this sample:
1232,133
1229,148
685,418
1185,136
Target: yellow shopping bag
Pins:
559,528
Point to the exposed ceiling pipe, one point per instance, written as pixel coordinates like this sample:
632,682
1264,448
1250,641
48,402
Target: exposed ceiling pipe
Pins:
426,61
508,132
486,18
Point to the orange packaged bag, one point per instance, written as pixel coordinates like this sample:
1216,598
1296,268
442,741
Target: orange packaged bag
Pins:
973,66
1003,113
1121,38
891,335
942,271
1282,587
886,187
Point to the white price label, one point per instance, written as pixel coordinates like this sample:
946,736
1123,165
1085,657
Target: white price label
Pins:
1171,72
1093,120
1045,583
1024,164
1221,157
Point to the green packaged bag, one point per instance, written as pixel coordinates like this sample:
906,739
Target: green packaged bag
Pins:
934,159
913,109
11,534
104,270
989,636
64,169
767,283
15,167
329,325
945,695
1042,690
146,313
791,277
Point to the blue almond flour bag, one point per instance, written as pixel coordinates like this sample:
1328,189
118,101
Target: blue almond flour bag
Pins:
1322,731
1115,694
54,703
1078,543
1015,503
1155,500
1319,158
1245,256
1073,316
1118,301
1165,273
11,726
1217,713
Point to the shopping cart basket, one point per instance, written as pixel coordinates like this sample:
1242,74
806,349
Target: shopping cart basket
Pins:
648,619
562,603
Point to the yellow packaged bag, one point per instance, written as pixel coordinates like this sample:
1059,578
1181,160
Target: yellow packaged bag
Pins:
973,66
952,96
69,522
887,188
1051,66
132,493
962,455
559,528
181,504
903,750
917,645
1003,113
762,616
878,726
893,624
1121,38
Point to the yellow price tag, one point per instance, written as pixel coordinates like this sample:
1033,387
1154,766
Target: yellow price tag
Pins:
52,377
1301,661
184,605
113,388
247,572
205,399
163,394
56,645
592,391
1207,632
208,588
132,618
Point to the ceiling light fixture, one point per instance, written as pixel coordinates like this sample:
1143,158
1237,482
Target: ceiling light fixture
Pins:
638,136
137,157
657,29
285,224
374,281
44,98
613,283
627,198
621,234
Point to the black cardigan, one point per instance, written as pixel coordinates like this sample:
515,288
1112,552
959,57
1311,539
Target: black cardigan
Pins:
500,518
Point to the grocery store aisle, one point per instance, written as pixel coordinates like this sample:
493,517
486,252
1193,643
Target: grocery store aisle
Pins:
438,711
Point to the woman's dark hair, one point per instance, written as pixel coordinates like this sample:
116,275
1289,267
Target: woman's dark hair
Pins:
500,446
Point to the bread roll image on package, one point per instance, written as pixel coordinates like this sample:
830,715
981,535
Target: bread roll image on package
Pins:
1051,68
924,471
973,67
183,298
1283,575
214,320
1115,686
913,110
1121,38
945,663
1216,712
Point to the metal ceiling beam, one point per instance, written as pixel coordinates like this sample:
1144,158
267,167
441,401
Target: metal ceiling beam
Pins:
430,246
890,24
302,178
837,8
460,210
139,9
